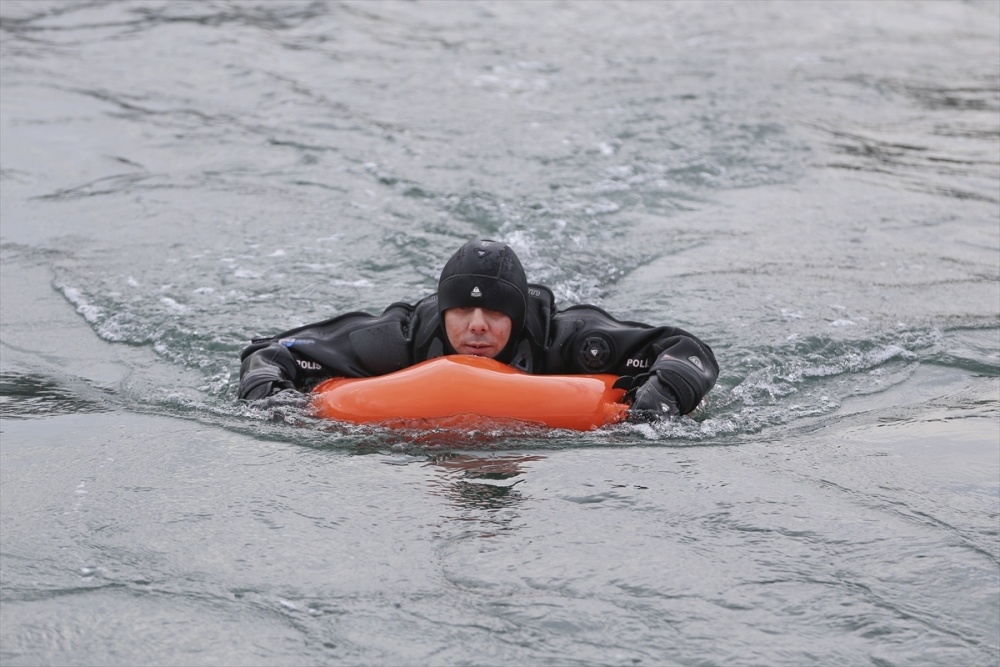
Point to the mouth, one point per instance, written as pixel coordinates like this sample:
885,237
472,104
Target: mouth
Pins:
478,349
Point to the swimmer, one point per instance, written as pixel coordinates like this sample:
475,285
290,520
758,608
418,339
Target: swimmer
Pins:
485,307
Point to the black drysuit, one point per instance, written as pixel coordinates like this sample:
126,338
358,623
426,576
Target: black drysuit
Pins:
580,339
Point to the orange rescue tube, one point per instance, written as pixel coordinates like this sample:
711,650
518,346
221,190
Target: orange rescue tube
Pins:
467,391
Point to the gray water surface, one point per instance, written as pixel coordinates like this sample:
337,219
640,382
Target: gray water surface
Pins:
813,189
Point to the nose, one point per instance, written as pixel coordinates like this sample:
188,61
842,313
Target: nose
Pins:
477,323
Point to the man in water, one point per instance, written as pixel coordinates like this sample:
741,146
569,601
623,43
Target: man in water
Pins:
485,306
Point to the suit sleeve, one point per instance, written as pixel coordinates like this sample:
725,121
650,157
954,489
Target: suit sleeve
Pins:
586,339
355,345
266,370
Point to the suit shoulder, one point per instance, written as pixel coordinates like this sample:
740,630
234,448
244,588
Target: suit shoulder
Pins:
593,314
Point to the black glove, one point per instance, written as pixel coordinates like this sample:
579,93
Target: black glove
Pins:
283,404
653,401
687,371
265,389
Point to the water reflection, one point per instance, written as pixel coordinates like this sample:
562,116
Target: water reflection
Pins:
481,485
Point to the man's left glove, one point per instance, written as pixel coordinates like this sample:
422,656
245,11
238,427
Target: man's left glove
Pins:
676,382
653,401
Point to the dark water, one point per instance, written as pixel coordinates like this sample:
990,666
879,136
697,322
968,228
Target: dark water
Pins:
813,189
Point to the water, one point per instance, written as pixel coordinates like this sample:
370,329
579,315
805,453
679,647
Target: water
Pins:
813,189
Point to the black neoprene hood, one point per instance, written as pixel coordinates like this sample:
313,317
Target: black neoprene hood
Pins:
485,274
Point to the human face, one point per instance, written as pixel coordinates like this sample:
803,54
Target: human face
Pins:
477,331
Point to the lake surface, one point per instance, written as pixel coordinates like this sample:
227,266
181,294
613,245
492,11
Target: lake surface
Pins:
813,189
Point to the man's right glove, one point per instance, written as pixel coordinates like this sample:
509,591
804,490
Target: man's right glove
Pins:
290,399
265,389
